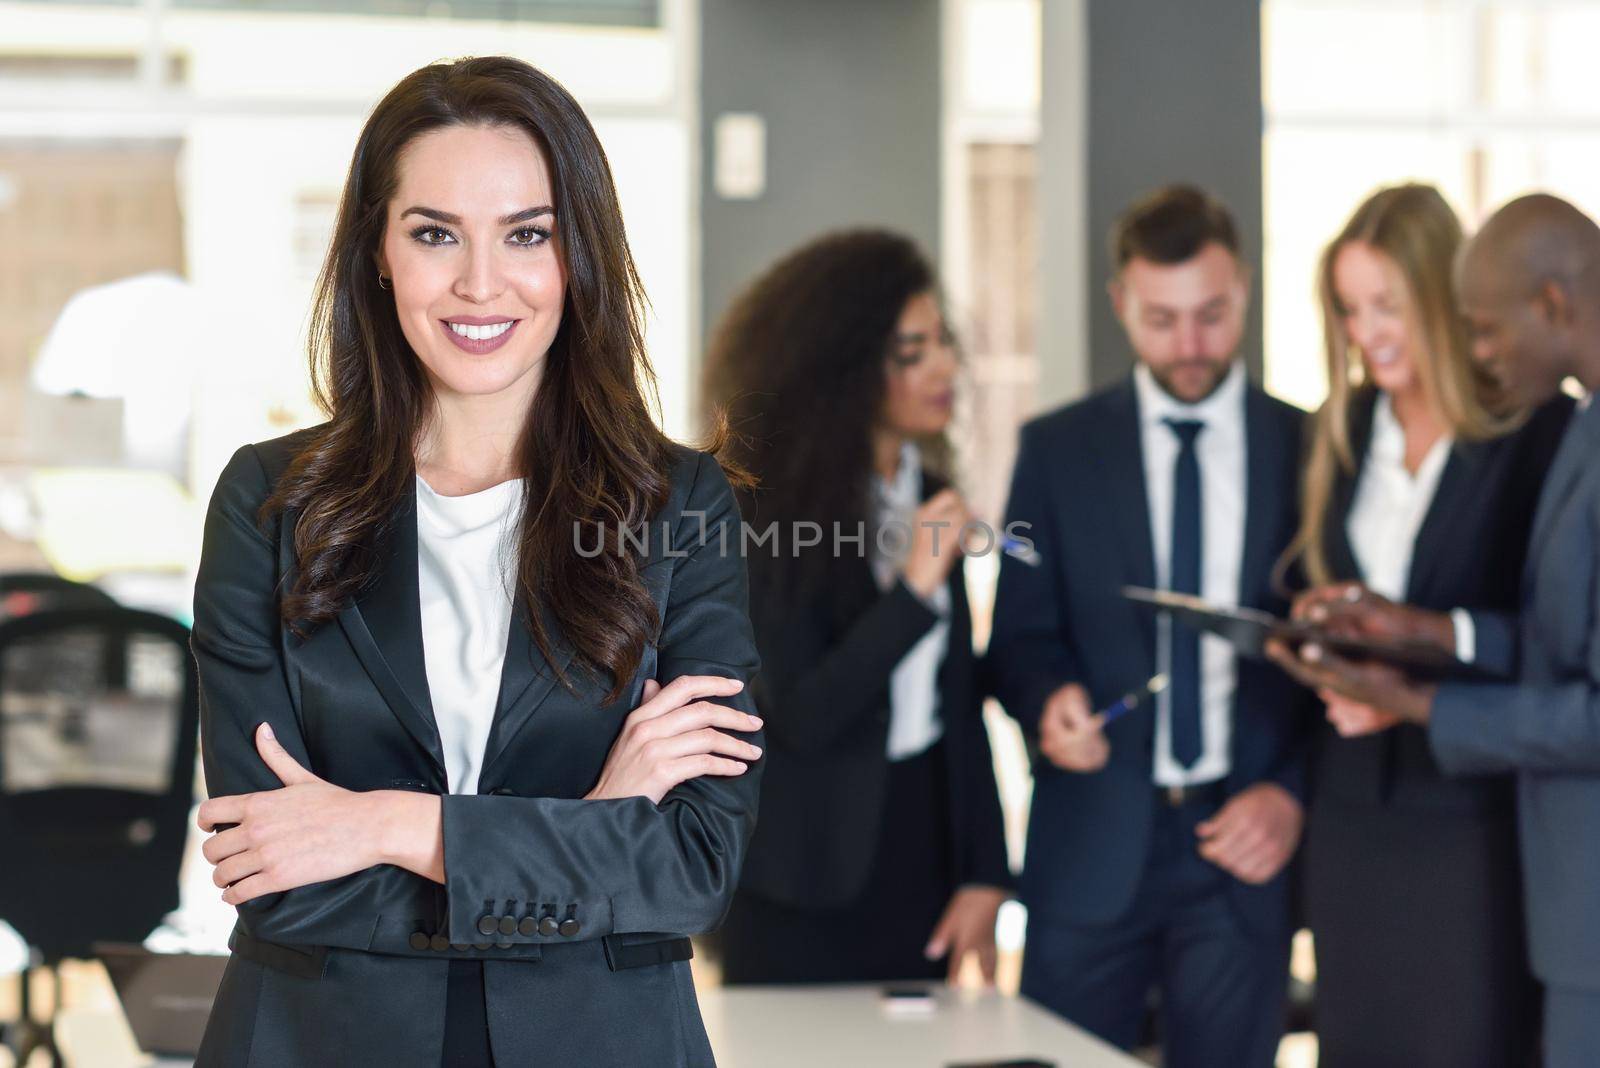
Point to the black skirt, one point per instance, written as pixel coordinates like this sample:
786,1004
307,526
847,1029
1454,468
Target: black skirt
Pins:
1421,960
879,936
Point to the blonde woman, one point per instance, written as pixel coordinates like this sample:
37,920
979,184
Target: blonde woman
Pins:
1421,487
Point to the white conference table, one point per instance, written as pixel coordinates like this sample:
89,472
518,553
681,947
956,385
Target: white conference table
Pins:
775,1027
847,1026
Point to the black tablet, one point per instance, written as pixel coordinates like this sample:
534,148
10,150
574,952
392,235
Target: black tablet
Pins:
1247,630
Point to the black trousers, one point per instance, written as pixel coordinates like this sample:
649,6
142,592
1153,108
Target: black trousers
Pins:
466,1020
879,936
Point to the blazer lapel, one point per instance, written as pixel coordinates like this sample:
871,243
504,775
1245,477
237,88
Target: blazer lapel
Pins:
1264,474
1119,460
384,626
526,680
1570,462
1457,483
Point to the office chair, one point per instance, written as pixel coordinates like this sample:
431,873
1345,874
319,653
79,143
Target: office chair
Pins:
25,592
99,712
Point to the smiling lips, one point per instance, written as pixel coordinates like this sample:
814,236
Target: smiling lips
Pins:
478,335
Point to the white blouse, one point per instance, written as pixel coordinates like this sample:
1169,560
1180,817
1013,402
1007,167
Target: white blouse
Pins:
1391,503
914,722
466,565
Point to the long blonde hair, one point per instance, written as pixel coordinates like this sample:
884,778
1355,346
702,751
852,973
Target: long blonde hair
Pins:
1413,227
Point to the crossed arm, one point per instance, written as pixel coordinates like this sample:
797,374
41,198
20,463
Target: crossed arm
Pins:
656,846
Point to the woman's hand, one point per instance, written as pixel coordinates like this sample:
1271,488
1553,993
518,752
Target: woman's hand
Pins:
935,542
310,831
967,926
673,737
1353,719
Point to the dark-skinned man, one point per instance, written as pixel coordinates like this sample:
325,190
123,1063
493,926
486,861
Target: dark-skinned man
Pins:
1529,285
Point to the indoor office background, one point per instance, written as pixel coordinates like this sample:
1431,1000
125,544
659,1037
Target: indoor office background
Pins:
169,172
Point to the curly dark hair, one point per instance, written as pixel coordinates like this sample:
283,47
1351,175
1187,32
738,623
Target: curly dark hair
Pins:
797,364
590,447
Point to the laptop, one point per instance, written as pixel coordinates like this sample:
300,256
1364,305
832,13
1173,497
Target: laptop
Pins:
166,996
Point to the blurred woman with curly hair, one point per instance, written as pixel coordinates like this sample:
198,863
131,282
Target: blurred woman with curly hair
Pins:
879,853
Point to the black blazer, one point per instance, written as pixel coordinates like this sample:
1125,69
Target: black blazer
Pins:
353,971
1079,482
1468,553
824,693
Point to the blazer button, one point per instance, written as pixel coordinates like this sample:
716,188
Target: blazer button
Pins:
488,925
481,946
439,943
527,927
502,945
569,927
508,926
419,941
548,926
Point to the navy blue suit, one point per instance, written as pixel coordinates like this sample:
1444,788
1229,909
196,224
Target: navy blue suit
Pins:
1102,929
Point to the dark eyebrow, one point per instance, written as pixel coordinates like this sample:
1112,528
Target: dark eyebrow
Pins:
910,339
505,220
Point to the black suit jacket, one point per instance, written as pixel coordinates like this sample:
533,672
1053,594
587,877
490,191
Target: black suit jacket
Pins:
1079,483
824,693
1468,553
353,971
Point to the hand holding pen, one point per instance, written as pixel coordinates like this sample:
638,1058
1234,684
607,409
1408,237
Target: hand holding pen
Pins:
1072,738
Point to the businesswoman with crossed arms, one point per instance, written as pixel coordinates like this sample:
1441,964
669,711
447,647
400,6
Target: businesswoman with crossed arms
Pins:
461,823
880,853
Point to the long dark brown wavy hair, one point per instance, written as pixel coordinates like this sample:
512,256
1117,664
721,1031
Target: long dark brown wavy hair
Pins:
797,366
590,449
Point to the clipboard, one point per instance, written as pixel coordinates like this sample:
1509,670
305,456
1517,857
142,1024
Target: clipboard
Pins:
1248,629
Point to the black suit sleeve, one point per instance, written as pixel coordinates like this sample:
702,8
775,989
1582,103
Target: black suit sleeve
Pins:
243,683
982,841
812,701
630,864
1030,654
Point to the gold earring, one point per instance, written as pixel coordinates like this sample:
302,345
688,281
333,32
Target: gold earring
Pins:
384,283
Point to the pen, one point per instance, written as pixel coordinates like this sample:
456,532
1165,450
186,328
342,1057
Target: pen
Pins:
1132,700
1021,550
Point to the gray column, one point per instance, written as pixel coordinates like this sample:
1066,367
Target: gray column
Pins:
850,95
1168,91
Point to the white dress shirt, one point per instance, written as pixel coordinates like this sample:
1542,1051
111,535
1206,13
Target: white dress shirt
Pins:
1389,509
1390,503
914,722
1220,449
465,576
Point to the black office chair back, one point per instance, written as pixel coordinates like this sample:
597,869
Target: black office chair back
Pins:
23,593
99,711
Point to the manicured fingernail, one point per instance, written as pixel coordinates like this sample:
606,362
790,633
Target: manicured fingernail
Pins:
755,750
266,728
1318,613
755,721
1312,652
